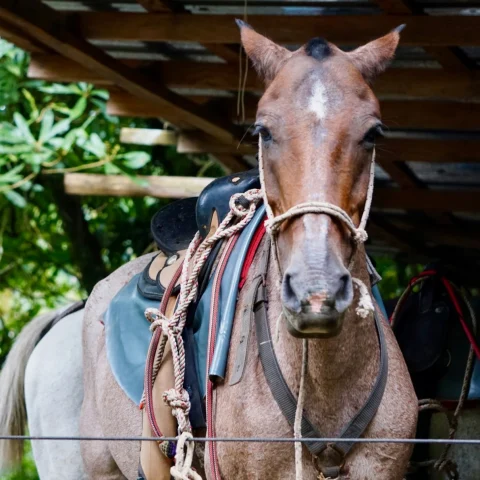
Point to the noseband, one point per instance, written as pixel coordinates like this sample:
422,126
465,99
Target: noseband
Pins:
359,234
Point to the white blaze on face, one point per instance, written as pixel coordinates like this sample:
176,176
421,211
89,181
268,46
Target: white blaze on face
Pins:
318,100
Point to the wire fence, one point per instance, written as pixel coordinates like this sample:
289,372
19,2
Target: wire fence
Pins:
441,441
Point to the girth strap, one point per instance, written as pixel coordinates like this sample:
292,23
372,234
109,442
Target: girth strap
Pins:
287,402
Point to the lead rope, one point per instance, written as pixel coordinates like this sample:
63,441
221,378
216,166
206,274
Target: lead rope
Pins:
177,398
365,304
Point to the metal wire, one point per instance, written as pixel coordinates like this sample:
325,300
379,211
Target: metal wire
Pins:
443,441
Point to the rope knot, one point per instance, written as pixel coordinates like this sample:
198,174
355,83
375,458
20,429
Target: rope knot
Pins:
360,236
178,400
242,203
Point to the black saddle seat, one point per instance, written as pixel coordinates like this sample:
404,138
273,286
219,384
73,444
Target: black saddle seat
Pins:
174,226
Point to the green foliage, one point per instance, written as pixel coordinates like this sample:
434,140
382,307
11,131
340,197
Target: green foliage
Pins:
46,130
26,470
395,276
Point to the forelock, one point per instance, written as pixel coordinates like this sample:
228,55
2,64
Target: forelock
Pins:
318,48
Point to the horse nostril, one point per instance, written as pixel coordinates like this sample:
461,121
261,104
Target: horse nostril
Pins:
290,299
344,281
344,293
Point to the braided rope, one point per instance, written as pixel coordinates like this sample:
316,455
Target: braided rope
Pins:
171,329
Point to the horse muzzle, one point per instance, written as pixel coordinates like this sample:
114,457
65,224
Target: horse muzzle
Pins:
308,324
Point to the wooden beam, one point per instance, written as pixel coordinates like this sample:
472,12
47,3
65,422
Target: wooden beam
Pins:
415,83
169,6
19,38
429,150
158,6
180,187
431,115
400,173
287,29
389,149
49,27
428,200
397,115
232,163
193,142
148,136
450,58
122,186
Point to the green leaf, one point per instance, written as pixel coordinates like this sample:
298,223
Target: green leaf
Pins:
134,160
37,158
15,149
23,127
31,102
59,89
60,127
13,175
79,108
46,125
94,144
111,169
103,94
16,198
10,135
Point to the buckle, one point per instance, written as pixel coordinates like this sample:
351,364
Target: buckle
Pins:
329,462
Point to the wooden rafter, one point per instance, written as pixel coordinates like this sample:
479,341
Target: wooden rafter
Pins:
449,57
389,149
50,28
398,115
225,52
414,83
288,29
20,39
177,187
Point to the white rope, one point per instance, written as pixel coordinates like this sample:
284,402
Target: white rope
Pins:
183,459
198,251
297,426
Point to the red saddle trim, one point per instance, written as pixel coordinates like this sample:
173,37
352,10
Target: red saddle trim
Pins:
252,250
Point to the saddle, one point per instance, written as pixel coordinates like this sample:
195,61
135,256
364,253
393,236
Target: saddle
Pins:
435,328
427,326
172,227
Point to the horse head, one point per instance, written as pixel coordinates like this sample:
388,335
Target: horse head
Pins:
318,120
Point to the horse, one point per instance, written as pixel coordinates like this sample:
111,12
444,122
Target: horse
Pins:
317,122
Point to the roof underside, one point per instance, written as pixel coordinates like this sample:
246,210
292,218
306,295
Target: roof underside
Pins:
429,171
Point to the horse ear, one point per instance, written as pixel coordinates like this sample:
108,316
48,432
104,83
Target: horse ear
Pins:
267,57
374,57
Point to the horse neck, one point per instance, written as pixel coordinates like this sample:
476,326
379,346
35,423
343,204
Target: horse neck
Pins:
342,369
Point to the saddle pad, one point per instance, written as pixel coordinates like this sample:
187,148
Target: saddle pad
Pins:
127,337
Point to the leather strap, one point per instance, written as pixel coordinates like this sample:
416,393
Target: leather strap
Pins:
332,453
242,349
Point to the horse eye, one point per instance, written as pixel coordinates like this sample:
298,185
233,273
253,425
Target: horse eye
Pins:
370,137
264,132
